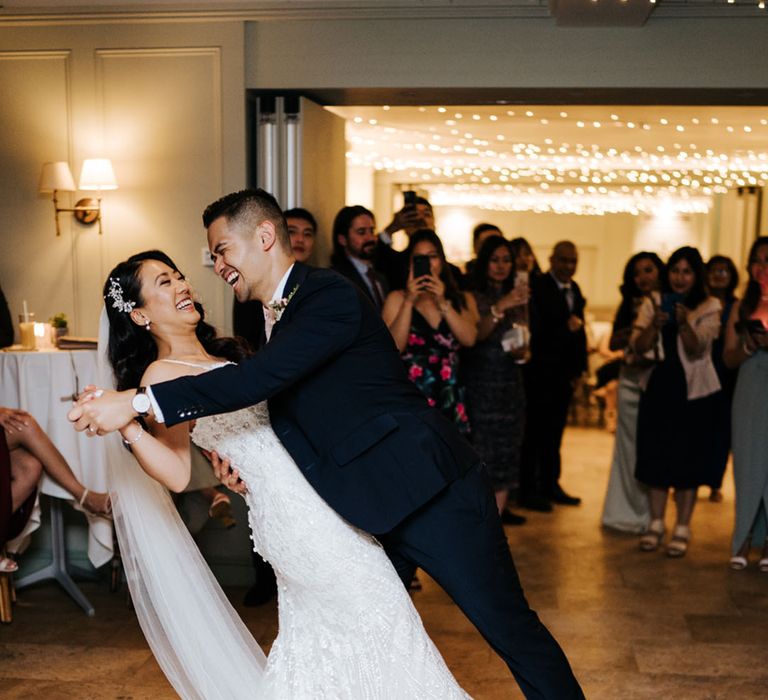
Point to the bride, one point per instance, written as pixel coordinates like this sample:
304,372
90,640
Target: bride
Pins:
347,627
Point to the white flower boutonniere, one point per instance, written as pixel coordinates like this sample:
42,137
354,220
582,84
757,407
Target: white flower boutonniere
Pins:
277,307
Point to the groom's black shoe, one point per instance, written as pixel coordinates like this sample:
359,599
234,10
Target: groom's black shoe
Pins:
562,498
265,588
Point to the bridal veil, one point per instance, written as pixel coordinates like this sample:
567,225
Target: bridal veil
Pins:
203,647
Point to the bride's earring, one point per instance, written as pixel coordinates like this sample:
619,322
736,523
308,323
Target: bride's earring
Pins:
147,324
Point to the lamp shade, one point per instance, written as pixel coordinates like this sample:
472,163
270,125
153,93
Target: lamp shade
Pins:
97,174
56,176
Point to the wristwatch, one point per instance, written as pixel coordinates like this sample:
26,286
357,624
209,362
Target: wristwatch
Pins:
141,403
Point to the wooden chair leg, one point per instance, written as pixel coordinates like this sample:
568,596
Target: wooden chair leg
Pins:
7,597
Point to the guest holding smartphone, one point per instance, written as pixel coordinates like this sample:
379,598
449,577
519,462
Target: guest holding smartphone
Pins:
491,369
746,347
430,320
676,422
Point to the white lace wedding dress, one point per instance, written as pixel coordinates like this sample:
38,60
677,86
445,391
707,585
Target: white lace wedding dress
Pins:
348,629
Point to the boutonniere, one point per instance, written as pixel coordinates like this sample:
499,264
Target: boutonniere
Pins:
277,307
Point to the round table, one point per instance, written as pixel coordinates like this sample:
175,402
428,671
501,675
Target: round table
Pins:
43,383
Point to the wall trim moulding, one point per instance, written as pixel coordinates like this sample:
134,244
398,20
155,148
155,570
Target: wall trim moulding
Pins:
29,14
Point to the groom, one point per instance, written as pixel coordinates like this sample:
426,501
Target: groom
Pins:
359,431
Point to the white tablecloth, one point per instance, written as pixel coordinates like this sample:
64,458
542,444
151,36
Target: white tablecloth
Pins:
38,382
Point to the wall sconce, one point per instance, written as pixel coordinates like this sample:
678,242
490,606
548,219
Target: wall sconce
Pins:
96,174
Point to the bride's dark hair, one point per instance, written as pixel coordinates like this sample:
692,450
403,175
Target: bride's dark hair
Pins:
131,348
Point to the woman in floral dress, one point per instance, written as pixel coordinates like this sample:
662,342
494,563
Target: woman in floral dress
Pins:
430,320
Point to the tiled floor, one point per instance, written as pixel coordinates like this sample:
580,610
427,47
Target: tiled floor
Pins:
634,625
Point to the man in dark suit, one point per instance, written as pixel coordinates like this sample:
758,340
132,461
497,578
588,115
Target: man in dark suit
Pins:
394,264
360,432
354,245
558,358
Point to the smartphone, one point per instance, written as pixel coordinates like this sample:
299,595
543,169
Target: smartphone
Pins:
668,302
409,198
521,279
421,266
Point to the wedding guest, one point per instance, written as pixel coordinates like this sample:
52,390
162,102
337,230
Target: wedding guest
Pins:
526,258
558,359
248,317
746,348
480,233
430,320
31,452
626,500
6,324
393,264
491,373
354,247
676,423
302,230
722,280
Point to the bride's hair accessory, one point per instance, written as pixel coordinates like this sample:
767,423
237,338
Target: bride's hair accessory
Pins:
116,294
277,307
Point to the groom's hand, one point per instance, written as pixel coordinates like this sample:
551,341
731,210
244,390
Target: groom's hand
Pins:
222,470
98,412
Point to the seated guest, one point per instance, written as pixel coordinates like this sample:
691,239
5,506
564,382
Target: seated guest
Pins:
558,359
6,324
626,500
676,422
31,452
490,369
746,348
479,234
722,280
354,246
248,316
394,264
430,320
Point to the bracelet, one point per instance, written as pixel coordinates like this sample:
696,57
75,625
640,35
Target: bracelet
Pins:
495,313
746,350
138,437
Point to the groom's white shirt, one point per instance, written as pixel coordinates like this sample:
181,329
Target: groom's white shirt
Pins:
276,296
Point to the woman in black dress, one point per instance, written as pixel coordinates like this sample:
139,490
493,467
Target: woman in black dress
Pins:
676,424
491,369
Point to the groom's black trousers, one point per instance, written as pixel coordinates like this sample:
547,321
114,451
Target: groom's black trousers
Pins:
458,539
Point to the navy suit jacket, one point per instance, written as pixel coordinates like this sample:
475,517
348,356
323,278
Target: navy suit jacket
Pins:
340,402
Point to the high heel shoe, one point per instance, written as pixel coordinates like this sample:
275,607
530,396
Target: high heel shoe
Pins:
651,540
221,510
678,544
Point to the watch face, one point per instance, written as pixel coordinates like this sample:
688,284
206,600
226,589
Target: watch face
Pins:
141,403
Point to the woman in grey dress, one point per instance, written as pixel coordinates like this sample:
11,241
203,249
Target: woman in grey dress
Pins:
626,500
746,347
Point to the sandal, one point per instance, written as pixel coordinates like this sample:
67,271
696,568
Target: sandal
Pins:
762,565
738,563
221,510
678,545
8,565
651,540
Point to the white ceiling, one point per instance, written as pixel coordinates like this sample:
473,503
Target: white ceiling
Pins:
580,159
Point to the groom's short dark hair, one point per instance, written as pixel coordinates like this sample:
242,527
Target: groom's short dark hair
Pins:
249,208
